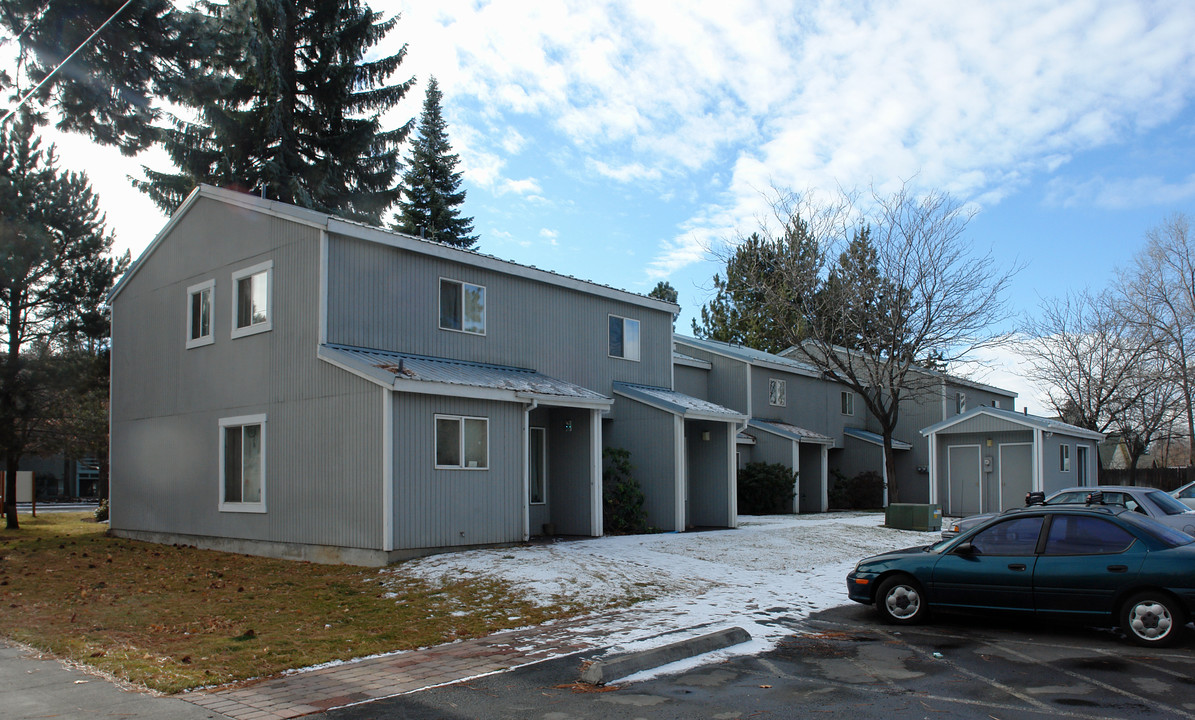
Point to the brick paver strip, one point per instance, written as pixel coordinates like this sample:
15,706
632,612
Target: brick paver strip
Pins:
303,693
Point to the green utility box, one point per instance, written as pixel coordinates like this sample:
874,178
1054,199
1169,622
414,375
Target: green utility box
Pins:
914,516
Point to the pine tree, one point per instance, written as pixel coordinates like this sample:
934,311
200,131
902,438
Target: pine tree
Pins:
107,90
55,273
291,109
431,184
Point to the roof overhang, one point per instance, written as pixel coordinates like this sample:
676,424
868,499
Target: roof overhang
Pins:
790,432
875,438
678,403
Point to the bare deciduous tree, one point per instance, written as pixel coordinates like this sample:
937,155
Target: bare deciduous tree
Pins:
899,289
1159,299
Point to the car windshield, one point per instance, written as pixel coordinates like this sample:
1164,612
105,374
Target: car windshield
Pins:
1165,534
1166,503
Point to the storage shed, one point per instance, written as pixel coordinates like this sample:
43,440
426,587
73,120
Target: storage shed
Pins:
987,458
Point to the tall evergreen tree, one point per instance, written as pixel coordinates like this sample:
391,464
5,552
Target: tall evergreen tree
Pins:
289,107
55,273
432,184
107,89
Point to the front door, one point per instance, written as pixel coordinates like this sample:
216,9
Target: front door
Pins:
1081,459
1016,473
997,573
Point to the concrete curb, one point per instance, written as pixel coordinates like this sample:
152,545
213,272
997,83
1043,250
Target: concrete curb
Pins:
603,671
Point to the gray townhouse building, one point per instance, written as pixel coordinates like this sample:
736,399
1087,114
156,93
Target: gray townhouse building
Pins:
818,427
289,383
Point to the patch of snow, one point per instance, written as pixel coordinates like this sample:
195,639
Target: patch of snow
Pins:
765,576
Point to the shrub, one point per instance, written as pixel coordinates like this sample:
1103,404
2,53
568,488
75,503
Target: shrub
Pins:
622,498
766,489
865,491
101,512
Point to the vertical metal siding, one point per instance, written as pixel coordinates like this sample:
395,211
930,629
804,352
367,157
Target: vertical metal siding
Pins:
443,508
649,435
386,298
323,442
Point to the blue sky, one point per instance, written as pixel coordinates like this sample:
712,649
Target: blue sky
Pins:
616,141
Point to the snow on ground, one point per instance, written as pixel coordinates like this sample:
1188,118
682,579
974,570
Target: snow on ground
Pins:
764,576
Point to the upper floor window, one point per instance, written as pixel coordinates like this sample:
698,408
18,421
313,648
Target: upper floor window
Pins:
848,402
199,314
624,338
462,442
1064,458
243,464
252,304
960,403
776,392
462,307
996,403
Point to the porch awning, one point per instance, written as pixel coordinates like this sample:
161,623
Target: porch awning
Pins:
678,403
405,372
792,432
875,438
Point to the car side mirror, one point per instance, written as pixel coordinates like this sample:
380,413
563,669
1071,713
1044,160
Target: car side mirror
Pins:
965,548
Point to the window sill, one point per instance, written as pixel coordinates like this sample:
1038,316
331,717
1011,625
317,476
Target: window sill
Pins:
258,508
200,342
252,330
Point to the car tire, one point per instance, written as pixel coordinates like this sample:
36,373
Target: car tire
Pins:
901,601
1152,619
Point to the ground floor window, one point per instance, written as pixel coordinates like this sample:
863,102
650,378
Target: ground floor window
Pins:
243,464
462,442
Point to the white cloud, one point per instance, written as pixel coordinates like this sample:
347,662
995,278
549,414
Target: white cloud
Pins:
1120,193
550,235
630,172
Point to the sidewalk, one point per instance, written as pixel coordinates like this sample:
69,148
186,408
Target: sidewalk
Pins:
350,683
35,687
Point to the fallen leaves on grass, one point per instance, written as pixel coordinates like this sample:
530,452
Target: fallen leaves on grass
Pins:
175,617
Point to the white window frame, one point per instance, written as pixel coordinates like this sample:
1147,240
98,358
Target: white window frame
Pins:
848,399
461,435
268,268
960,403
242,421
210,287
638,338
777,399
462,284
1064,458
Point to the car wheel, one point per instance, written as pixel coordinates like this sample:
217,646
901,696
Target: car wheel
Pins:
901,601
1152,619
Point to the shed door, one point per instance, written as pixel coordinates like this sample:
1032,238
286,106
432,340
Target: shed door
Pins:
1016,473
964,472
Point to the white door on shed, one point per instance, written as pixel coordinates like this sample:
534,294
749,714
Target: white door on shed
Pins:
964,473
1016,473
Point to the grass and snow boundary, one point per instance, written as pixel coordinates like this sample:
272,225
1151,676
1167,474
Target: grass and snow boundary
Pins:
764,576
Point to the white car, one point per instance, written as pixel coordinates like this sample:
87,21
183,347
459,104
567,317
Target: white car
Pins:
1186,494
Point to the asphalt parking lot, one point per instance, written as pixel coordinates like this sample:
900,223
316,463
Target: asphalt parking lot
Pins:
843,662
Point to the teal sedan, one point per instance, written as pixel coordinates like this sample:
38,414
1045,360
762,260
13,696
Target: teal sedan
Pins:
1098,565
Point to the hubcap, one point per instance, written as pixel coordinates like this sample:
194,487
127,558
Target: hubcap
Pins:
902,601
1150,620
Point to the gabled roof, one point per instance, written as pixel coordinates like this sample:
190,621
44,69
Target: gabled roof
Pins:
678,403
875,438
1017,418
361,231
792,432
795,352
748,355
442,376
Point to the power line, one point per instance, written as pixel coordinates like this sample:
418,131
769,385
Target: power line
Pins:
58,67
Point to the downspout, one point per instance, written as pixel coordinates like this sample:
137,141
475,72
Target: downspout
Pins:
527,468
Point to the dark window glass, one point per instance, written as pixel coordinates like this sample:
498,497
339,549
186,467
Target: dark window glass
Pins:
616,336
1081,535
448,442
232,464
1011,537
450,305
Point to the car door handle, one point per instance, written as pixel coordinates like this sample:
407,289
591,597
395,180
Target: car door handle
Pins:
1118,568
1016,566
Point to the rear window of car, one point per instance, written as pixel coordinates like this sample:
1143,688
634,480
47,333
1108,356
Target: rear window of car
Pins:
1164,534
1166,503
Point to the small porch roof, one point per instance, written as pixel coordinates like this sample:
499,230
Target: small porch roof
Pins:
678,403
1014,419
875,438
405,372
792,432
